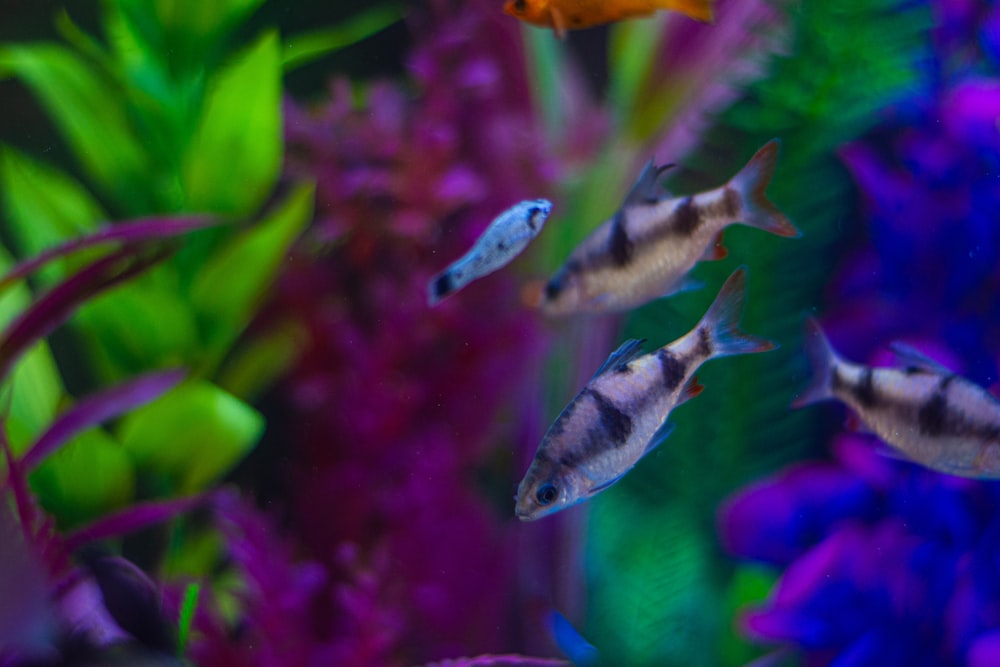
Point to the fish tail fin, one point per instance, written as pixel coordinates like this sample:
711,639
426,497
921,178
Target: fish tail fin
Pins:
822,359
701,10
751,183
722,321
439,287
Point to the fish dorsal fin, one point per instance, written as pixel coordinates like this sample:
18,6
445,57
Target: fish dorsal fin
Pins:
647,189
690,390
659,436
914,358
626,352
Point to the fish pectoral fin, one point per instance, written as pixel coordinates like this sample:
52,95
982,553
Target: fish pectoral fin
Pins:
914,358
690,390
687,284
603,485
659,436
626,352
715,251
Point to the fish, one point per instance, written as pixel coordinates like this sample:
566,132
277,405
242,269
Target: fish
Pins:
621,414
504,239
563,15
924,411
646,250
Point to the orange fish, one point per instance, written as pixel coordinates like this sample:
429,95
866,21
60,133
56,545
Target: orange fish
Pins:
563,15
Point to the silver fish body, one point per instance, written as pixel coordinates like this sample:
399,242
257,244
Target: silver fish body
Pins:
923,410
621,414
503,240
650,245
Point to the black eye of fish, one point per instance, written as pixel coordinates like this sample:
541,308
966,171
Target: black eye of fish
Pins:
553,288
520,6
546,494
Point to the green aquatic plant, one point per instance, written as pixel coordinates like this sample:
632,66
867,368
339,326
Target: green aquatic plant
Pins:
814,74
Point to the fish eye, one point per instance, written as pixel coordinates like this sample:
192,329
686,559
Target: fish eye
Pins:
520,6
546,494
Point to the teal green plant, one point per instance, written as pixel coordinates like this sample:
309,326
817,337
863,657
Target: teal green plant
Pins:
659,589
173,112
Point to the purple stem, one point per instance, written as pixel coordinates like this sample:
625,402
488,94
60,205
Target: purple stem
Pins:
131,519
56,305
140,230
97,408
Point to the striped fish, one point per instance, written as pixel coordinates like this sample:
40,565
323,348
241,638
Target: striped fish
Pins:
650,245
505,238
621,414
922,409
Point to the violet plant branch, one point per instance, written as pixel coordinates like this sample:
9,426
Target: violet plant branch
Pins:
97,408
135,517
147,229
55,306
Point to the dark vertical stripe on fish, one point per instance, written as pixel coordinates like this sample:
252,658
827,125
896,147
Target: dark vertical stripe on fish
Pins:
730,203
673,369
704,342
864,391
687,217
616,424
620,244
933,415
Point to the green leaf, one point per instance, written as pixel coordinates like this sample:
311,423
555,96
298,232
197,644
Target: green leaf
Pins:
305,48
44,206
186,616
632,51
191,436
35,382
138,326
88,109
224,292
86,478
197,18
233,162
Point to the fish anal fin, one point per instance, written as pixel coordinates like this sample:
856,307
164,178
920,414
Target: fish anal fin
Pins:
715,251
914,358
626,352
686,284
690,390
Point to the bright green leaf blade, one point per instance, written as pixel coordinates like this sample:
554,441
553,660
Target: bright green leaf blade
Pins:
228,288
191,436
88,110
188,606
633,48
137,326
35,382
305,48
200,20
233,161
89,476
43,205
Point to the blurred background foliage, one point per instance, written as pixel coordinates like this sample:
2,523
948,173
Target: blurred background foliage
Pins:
130,110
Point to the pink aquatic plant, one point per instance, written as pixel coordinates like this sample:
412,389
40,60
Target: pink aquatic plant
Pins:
400,542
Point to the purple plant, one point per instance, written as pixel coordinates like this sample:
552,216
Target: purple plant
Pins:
405,554
887,563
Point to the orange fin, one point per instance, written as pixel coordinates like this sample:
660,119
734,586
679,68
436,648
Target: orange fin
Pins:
715,251
690,390
558,22
701,10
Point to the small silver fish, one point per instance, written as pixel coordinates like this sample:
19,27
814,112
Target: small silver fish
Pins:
621,414
923,410
647,249
505,238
